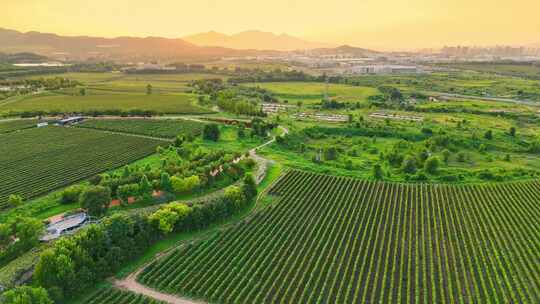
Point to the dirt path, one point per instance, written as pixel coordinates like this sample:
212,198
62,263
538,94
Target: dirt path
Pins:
130,283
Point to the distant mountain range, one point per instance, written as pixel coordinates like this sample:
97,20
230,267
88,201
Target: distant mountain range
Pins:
210,45
121,48
254,40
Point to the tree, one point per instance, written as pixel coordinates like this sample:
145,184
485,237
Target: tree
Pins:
26,295
165,182
235,198
28,230
249,187
446,156
211,132
95,200
148,89
330,153
512,131
185,185
377,171
124,192
488,135
241,132
432,165
82,92
145,188
168,216
15,200
409,165
71,194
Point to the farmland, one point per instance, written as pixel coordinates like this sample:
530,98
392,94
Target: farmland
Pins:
51,102
106,295
166,128
36,161
340,240
14,125
313,92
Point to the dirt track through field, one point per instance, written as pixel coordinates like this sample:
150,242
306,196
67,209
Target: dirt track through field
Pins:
130,283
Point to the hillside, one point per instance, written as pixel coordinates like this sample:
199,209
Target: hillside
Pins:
120,48
256,40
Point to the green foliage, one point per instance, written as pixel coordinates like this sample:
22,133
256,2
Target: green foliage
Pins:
95,200
166,217
26,295
432,164
145,187
124,192
15,200
377,171
409,165
211,132
185,185
488,135
71,194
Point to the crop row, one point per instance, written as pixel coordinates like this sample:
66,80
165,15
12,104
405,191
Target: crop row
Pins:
36,161
110,295
166,128
340,240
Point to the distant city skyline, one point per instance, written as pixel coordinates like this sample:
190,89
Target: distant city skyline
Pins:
384,25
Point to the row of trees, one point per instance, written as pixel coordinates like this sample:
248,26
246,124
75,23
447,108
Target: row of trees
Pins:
73,264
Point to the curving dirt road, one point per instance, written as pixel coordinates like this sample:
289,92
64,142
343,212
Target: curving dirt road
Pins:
130,283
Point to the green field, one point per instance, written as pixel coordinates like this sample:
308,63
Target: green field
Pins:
313,92
340,240
512,69
180,103
166,128
14,125
111,295
36,161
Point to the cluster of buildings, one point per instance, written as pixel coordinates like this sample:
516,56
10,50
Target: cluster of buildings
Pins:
322,117
276,107
394,116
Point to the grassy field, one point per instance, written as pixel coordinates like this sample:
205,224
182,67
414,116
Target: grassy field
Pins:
179,103
14,125
165,128
339,240
462,82
519,70
313,92
36,161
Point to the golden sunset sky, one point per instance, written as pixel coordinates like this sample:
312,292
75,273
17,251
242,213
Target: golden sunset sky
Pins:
383,24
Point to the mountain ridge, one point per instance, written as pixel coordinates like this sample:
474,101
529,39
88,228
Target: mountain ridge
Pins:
124,48
254,39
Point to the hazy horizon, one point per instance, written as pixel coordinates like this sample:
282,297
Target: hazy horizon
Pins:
396,24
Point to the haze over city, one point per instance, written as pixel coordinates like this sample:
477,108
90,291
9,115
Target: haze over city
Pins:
382,25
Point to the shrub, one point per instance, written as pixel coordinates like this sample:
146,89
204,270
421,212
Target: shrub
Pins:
96,200
432,165
71,194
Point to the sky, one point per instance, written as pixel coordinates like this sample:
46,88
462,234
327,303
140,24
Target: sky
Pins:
380,24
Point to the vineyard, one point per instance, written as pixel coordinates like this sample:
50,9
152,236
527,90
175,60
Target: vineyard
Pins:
341,240
165,128
110,295
36,161
14,125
